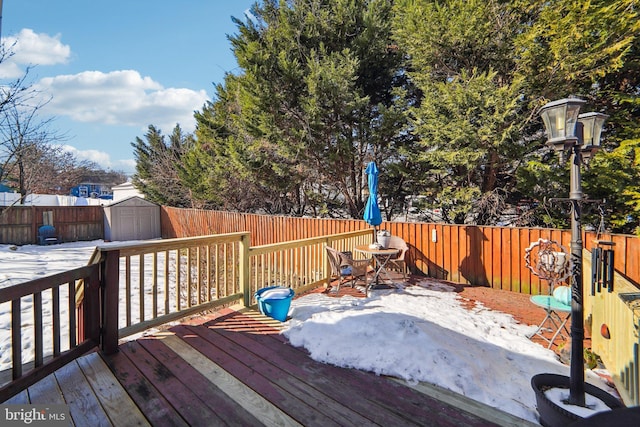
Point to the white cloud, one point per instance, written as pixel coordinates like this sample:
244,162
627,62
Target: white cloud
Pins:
32,49
121,98
102,159
99,157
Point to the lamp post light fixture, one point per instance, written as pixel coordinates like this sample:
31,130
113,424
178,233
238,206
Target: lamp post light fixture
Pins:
579,134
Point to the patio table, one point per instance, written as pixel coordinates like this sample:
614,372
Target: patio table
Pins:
381,257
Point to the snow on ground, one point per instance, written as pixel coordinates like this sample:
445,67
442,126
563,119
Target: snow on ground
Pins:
424,333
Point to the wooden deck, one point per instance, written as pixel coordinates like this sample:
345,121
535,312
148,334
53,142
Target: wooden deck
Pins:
233,368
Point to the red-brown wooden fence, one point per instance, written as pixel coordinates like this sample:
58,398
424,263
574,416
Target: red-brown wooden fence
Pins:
465,254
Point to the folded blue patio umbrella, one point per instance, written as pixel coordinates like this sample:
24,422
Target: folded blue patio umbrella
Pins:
371,209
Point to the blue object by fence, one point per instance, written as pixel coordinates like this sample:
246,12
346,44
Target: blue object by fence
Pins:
47,235
275,301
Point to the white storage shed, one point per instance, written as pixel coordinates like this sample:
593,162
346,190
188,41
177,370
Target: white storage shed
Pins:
133,218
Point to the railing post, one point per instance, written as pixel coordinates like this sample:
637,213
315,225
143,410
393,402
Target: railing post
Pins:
327,265
245,286
110,281
91,310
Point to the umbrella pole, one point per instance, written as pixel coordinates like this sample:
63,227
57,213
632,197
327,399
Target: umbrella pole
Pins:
375,234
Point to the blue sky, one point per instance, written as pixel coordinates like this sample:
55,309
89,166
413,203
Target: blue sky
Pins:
112,68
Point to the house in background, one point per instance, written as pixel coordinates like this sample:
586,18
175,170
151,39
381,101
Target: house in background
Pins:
92,191
124,191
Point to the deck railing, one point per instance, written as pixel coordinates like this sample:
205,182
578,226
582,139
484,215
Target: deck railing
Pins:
70,332
301,264
152,283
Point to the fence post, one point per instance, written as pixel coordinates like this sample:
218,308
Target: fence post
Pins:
34,225
245,286
110,278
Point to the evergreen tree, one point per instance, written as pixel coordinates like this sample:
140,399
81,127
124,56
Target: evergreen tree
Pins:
589,49
158,165
470,116
484,68
315,103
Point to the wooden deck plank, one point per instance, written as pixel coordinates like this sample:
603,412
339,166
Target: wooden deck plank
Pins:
186,403
497,416
119,407
46,391
21,398
347,403
375,390
283,399
84,407
250,400
227,409
149,399
321,401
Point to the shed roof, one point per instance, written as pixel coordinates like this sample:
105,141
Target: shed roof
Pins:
133,201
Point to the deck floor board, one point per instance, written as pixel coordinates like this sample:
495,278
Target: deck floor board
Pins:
235,368
283,377
145,395
112,396
267,413
269,388
180,396
206,390
46,391
365,392
84,406
349,397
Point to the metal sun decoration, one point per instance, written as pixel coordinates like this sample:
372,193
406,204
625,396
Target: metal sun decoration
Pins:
549,261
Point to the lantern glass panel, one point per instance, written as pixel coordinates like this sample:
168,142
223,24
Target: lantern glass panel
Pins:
592,128
560,118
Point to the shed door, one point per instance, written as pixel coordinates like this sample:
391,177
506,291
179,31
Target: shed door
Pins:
128,224
145,223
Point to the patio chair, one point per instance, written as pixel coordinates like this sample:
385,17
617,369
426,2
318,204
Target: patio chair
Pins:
558,312
398,262
347,269
47,235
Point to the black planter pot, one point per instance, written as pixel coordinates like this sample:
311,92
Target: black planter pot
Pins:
552,415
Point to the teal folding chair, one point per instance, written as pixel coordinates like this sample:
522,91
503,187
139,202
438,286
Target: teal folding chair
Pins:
556,319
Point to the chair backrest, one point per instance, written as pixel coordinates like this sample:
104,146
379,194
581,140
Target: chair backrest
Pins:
335,260
47,231
396,242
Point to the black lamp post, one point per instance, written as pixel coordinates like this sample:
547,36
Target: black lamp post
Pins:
567,130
